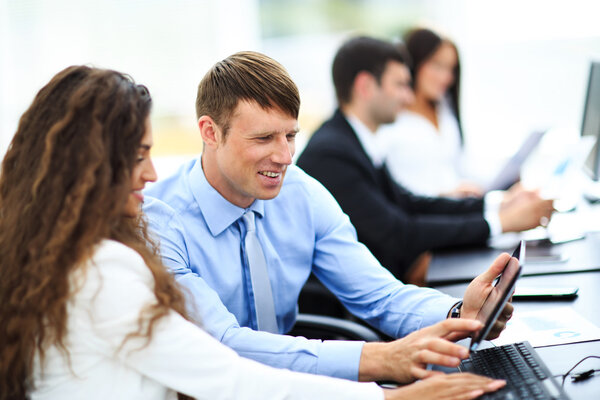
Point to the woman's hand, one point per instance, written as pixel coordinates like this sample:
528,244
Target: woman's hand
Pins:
458,386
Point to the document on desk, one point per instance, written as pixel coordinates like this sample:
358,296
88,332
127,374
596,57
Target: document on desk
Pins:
547,327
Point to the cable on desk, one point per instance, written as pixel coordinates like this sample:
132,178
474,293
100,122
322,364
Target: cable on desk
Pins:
581,376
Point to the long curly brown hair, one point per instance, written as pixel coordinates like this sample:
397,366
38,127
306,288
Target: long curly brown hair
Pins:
64,182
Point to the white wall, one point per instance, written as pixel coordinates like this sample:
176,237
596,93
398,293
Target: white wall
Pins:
166,45
525,62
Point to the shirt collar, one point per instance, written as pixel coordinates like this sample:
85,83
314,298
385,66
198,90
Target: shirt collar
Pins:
218,212
367,140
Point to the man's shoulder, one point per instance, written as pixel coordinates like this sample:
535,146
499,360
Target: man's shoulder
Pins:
300,189
170,195
310,201
335,127
155,208
297,181
334,136
172,185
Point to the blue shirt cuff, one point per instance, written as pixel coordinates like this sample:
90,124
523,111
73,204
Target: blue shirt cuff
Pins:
340,359
439,310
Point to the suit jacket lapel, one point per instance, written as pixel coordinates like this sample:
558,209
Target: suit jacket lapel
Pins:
358,152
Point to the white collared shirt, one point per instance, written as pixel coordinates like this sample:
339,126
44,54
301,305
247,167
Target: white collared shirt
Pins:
424,158
367,140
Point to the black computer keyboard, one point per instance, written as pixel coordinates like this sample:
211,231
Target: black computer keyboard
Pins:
526,375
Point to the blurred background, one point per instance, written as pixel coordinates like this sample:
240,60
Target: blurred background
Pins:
525,63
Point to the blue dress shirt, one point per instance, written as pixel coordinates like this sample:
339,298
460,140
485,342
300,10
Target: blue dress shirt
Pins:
303,229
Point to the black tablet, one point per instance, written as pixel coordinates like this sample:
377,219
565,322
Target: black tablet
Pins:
499,296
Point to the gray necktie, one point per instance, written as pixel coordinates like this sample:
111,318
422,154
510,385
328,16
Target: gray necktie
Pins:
263,296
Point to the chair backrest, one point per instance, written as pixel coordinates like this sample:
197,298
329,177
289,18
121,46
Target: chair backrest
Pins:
321,327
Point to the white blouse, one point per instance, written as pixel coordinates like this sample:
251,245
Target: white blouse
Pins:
421,158
109,296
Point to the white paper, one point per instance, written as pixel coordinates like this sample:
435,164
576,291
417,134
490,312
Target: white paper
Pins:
548,327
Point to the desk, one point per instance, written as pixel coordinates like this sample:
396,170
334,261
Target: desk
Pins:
463,265
561,358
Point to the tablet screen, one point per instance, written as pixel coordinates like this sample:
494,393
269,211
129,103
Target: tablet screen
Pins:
498,297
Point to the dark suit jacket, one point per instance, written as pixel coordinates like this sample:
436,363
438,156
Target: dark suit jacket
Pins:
393,223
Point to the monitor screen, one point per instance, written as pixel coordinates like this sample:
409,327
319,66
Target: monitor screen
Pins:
591,113
591,121
592,163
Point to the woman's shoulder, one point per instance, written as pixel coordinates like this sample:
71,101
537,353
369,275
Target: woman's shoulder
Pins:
410,117
113,258
113,273
112,249
407,124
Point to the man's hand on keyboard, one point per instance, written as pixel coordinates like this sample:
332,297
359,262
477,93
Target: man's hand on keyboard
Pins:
405,360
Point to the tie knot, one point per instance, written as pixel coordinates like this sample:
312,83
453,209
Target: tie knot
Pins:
249,221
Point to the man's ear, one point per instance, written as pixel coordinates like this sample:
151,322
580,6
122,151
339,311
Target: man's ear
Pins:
209,131
363,84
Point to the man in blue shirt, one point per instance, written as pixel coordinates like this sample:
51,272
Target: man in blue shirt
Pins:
247,107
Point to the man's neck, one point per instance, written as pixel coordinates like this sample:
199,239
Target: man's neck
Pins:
351,110
215,180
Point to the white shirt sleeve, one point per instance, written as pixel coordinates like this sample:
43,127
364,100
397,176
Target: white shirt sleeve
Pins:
185,358
491,213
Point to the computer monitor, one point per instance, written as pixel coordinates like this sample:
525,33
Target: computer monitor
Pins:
592,163
591,121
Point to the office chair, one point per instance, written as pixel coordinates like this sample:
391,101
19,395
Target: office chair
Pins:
322,327
322,316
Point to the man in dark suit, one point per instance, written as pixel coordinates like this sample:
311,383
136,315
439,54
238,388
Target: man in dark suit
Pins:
372,84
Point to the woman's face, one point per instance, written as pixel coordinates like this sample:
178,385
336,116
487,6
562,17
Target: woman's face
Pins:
436,74
143,171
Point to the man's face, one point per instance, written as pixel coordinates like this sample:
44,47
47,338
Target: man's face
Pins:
392,94
250,162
